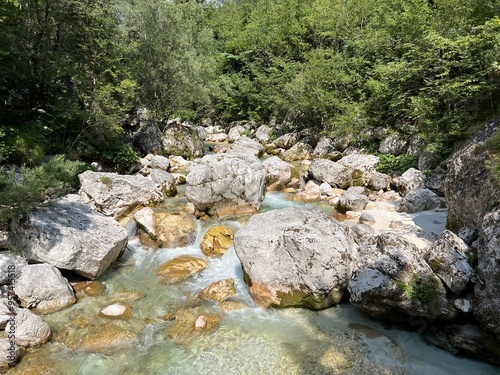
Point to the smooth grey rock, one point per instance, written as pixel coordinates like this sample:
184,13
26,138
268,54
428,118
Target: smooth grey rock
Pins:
352,202
366,218
392,281
487,290
262,134
287,140
158,162
182,141
70,235
302,258
226,183
362,162
247,146
30,329
217,137
448,258
113,195
311,191
331,172
412,179
361,232
325,190
278,173
378,181
235,132
164,181
42,288
420,200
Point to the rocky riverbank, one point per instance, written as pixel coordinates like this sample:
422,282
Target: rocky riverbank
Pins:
383,245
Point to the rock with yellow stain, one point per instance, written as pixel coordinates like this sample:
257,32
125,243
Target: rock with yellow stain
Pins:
181,268
217,241
188,324
168,229
100,338
116,311
219,291
91,288
231,306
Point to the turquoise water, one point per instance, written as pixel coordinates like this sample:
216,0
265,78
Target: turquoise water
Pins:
249,341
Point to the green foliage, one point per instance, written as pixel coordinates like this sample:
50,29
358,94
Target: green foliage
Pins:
24,190
389,163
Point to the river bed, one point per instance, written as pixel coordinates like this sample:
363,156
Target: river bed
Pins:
251,340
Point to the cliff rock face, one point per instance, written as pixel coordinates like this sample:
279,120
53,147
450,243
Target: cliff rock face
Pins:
469,187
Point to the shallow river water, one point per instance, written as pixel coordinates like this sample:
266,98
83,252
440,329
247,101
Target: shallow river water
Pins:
249,341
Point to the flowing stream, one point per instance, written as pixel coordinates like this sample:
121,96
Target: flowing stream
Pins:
249,341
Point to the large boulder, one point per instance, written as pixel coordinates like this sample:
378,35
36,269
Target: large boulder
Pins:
420,200
391,281
287,140
361,162
235,132
448,258
114,195
245,145
70,235
42,288
182,140
351,201
30,330
325,149
226,185
470,188
487,290
147,139
301,258
412,179
299,151
262,134
278,173
331,172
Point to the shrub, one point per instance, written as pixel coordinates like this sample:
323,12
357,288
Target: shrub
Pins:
23,190
395,164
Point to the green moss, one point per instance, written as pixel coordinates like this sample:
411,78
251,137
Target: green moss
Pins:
417,288
107,181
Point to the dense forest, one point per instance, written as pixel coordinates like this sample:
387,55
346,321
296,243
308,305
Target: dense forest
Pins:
73,71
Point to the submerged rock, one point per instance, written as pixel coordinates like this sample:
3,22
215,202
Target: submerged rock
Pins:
392,281
219,291
217,241
226,185
190,323
181,268
70,235
9,352
295,257
116,311
41,287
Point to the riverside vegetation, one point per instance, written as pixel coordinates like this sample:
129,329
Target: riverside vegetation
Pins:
96,84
